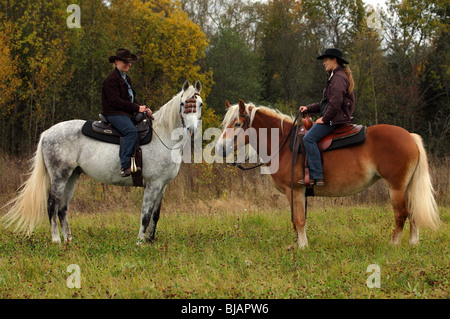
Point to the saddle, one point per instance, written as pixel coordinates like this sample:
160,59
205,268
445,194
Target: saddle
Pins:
344,136
103,127
103,131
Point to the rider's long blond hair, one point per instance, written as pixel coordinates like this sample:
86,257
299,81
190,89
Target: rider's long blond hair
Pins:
351,84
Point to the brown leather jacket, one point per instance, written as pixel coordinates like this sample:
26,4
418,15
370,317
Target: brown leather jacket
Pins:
115,96
337,104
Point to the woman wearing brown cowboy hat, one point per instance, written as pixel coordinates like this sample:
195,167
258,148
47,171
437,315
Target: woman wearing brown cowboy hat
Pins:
119,105
336,108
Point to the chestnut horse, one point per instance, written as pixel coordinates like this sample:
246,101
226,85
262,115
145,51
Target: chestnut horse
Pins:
389,152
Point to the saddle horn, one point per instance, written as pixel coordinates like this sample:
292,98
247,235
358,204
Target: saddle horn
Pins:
307,121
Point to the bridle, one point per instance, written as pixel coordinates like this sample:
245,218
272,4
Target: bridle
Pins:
241,125
190,106
247,123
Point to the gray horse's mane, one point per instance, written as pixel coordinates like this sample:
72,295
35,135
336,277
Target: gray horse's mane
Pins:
168,116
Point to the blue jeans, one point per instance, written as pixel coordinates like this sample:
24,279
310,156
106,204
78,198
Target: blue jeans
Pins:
126,127
314,135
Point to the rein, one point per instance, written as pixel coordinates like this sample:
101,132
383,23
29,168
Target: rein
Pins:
169,148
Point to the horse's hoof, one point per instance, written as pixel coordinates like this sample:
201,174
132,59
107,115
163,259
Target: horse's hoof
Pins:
139,242
290,247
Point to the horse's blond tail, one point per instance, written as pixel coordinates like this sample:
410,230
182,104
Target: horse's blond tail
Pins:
30,205
420,193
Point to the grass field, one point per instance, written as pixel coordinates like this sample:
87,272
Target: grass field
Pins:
242,254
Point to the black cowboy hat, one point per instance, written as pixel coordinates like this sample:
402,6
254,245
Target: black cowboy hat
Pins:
124,55
333,53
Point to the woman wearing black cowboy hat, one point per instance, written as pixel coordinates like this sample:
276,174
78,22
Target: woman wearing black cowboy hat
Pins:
119,104
336,108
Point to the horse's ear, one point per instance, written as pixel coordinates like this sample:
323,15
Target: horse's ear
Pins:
186,85
241,106
227,104
198,86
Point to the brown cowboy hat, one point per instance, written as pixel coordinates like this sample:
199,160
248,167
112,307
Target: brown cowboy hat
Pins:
333,53
124,55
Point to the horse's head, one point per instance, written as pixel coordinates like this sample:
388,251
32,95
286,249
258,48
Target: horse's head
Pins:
191,107
235,125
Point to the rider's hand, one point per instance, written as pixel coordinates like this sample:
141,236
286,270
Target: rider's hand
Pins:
149,113
142,108
303,109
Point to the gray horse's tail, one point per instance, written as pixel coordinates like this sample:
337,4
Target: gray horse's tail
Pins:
30,205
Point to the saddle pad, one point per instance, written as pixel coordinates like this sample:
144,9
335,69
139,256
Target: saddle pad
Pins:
87,130
340,142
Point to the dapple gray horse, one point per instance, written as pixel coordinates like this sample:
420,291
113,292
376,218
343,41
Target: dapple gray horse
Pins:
64,153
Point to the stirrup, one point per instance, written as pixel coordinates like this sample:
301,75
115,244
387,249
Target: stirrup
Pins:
133,165
302,182
313,182
319,182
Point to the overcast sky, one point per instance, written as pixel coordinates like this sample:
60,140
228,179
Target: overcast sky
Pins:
375,3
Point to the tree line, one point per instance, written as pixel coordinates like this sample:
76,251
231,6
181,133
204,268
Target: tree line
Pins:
260,51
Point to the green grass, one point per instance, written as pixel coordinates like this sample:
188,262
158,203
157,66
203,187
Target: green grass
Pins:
228,255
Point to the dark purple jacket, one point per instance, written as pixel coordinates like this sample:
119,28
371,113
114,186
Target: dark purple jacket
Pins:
115,96
340,104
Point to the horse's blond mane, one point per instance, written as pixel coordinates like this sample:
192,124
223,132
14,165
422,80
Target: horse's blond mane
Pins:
233,113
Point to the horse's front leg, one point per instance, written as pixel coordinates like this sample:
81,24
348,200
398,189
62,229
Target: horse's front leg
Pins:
298,215
155,217
151,203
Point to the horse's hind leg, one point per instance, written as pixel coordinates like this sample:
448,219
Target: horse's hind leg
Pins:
400,214
65,201
413,233
56,201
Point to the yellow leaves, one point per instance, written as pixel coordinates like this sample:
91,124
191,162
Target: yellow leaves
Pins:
170,47
36,46
9,79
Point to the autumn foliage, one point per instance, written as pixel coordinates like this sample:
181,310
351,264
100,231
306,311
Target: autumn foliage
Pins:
259,51
51,72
